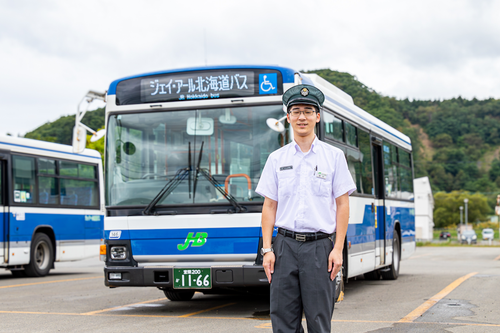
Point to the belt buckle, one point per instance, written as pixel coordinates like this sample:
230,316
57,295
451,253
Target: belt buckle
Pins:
300,237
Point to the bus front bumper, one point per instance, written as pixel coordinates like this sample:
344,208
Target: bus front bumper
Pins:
159,276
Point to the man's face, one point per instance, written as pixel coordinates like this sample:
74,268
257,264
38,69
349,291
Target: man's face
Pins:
303,124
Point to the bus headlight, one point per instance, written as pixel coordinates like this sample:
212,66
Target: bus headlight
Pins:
118,252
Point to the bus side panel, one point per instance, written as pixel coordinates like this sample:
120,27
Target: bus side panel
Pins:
361,236
404,213
69,230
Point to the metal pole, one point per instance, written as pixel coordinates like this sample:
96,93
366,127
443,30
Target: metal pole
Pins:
461,216
466,217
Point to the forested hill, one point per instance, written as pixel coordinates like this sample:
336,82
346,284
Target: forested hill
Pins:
456,142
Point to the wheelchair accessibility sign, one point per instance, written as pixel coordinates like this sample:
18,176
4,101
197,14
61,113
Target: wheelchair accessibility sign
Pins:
268,83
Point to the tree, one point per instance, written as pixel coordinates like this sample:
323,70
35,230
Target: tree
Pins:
447,211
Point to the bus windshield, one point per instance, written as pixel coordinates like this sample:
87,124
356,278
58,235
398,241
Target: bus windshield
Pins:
147,150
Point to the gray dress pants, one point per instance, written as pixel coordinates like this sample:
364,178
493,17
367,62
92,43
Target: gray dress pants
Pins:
301,283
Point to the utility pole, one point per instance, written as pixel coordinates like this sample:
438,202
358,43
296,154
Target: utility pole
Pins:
466,217
461,216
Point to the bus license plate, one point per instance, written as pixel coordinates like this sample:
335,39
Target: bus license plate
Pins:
192,278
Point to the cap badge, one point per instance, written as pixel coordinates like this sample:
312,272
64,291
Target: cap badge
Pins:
304,92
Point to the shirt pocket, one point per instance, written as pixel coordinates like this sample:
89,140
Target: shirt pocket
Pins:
321,187
285,183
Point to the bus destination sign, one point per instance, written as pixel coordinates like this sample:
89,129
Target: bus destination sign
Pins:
187,86
199,85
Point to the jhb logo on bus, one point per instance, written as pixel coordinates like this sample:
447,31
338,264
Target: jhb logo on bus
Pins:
196,241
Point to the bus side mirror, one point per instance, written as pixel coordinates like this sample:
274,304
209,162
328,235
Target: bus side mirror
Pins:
79,139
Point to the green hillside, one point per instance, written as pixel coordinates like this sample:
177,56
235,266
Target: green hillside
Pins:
456,142
61,130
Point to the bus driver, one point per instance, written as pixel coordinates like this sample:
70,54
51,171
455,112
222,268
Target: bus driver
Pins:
306,185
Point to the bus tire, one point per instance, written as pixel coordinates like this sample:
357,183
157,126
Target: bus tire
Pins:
179,295
41,256
392,272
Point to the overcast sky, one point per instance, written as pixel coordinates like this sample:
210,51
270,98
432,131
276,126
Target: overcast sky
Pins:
53,52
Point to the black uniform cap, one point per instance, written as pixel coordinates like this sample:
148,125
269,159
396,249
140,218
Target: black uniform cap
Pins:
303,94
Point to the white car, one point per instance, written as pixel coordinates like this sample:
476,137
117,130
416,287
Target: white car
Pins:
488,234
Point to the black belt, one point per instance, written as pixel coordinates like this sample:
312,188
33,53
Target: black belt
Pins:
304,236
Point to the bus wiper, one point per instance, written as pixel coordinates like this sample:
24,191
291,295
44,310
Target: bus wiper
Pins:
197,168
238,208
180,175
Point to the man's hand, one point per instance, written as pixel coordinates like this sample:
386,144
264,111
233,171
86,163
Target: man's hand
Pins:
335,261
268,264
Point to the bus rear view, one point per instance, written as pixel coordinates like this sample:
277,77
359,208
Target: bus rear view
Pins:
184,154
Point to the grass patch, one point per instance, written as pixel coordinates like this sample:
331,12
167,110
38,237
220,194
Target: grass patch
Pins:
452,244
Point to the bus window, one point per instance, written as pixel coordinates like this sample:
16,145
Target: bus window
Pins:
333,127
366,163
236,144
351,134
78,192
354,165
405,174
24,179
47,191
391,175
46,166
68,169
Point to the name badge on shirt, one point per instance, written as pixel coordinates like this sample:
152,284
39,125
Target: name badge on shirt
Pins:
321,175
289,167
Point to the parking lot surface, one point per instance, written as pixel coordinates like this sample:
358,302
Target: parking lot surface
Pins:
440,289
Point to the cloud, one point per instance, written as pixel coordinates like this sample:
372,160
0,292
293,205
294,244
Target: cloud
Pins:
54,52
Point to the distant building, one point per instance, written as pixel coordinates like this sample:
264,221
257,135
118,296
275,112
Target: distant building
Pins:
424,208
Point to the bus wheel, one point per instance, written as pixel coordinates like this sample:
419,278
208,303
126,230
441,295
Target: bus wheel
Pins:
392,272
178,295
41,256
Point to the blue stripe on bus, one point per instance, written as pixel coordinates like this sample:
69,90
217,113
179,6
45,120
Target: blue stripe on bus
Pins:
45,149
3,220
359,233
212,246
287,73
65,226
183,233
366,232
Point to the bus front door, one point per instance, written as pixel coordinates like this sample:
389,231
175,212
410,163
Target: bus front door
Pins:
380,228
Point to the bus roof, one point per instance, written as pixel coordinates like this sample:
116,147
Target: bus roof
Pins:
16,143
336,99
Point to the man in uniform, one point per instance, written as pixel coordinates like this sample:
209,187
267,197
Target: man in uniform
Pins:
306,185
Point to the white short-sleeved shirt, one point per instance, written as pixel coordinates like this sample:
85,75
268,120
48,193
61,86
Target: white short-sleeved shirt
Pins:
305,185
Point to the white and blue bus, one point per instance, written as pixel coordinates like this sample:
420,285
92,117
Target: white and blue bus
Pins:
184,152
51,205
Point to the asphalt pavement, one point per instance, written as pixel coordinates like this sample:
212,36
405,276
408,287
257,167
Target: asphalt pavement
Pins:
440,289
